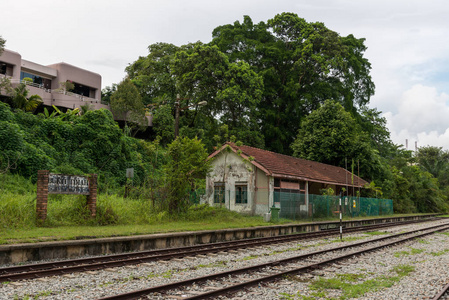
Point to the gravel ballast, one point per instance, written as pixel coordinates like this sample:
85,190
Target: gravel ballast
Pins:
415,270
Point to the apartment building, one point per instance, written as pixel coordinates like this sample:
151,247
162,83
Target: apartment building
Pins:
46,81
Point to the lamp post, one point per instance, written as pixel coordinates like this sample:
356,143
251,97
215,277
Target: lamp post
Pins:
179,109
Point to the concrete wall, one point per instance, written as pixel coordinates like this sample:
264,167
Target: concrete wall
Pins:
70,249
230,168
262,201
68,72
14,59
57,73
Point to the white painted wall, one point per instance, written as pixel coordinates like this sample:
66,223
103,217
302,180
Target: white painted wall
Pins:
230,168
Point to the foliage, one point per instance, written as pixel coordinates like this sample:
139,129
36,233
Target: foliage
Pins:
107,92
331,135
285,85
19,96
354,285
412,188
66,86
434,160
127,103
164,124
187,162
80,144
2,44
302,65
200,73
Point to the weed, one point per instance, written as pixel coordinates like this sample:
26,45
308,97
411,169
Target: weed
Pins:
401,253
251,257
107,283
351,286
417,251
285,296
403,270
421,241
439,253
351,277
168,274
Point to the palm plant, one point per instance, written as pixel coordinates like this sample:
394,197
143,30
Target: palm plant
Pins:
21,100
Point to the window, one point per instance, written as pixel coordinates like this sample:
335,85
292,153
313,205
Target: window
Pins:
81,89
219,192
241,193
6,69
38,80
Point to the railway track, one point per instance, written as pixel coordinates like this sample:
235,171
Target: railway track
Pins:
444,294
239,279
96,263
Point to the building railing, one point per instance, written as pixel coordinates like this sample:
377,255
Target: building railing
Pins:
36,85
58,91
78,96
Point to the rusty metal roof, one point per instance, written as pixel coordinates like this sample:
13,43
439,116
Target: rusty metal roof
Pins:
284,166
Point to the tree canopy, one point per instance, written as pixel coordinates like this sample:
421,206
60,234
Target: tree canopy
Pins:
259,79
2,44
285,85
302,65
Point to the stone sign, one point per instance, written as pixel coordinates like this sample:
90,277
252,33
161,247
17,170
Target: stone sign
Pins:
50,183
68,184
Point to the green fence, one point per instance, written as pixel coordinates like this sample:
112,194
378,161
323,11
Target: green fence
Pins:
195,196
293,206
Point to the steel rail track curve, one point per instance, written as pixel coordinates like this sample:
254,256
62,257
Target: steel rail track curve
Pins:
33,271
233,288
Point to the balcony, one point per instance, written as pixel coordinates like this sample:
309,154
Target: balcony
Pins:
60,97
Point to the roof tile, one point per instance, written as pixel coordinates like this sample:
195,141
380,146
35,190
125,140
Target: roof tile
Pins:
281,165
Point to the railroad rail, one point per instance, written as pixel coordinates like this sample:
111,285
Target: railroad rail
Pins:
444,294
272,268
33,271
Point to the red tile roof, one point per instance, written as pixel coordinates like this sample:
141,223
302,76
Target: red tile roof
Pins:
284,166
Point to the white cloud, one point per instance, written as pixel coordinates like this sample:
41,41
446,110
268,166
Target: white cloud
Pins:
422,116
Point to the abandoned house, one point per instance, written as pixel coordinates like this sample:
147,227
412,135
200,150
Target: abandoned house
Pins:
251,180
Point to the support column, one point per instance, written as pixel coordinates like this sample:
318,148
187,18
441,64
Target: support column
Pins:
92,197
42,194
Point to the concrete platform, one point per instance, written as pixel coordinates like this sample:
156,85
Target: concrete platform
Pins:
16,253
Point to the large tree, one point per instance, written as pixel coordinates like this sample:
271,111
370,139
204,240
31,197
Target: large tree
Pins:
331,135
434,160
127,103
198,72
302,65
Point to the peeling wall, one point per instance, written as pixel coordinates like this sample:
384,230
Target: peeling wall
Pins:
230,168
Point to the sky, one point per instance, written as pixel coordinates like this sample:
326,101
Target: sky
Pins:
407,40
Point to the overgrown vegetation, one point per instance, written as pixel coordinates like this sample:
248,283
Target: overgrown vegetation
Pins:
354,285
267,85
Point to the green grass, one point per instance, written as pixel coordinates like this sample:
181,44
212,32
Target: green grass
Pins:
421,241
439,253
412,252
68,217
354,285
